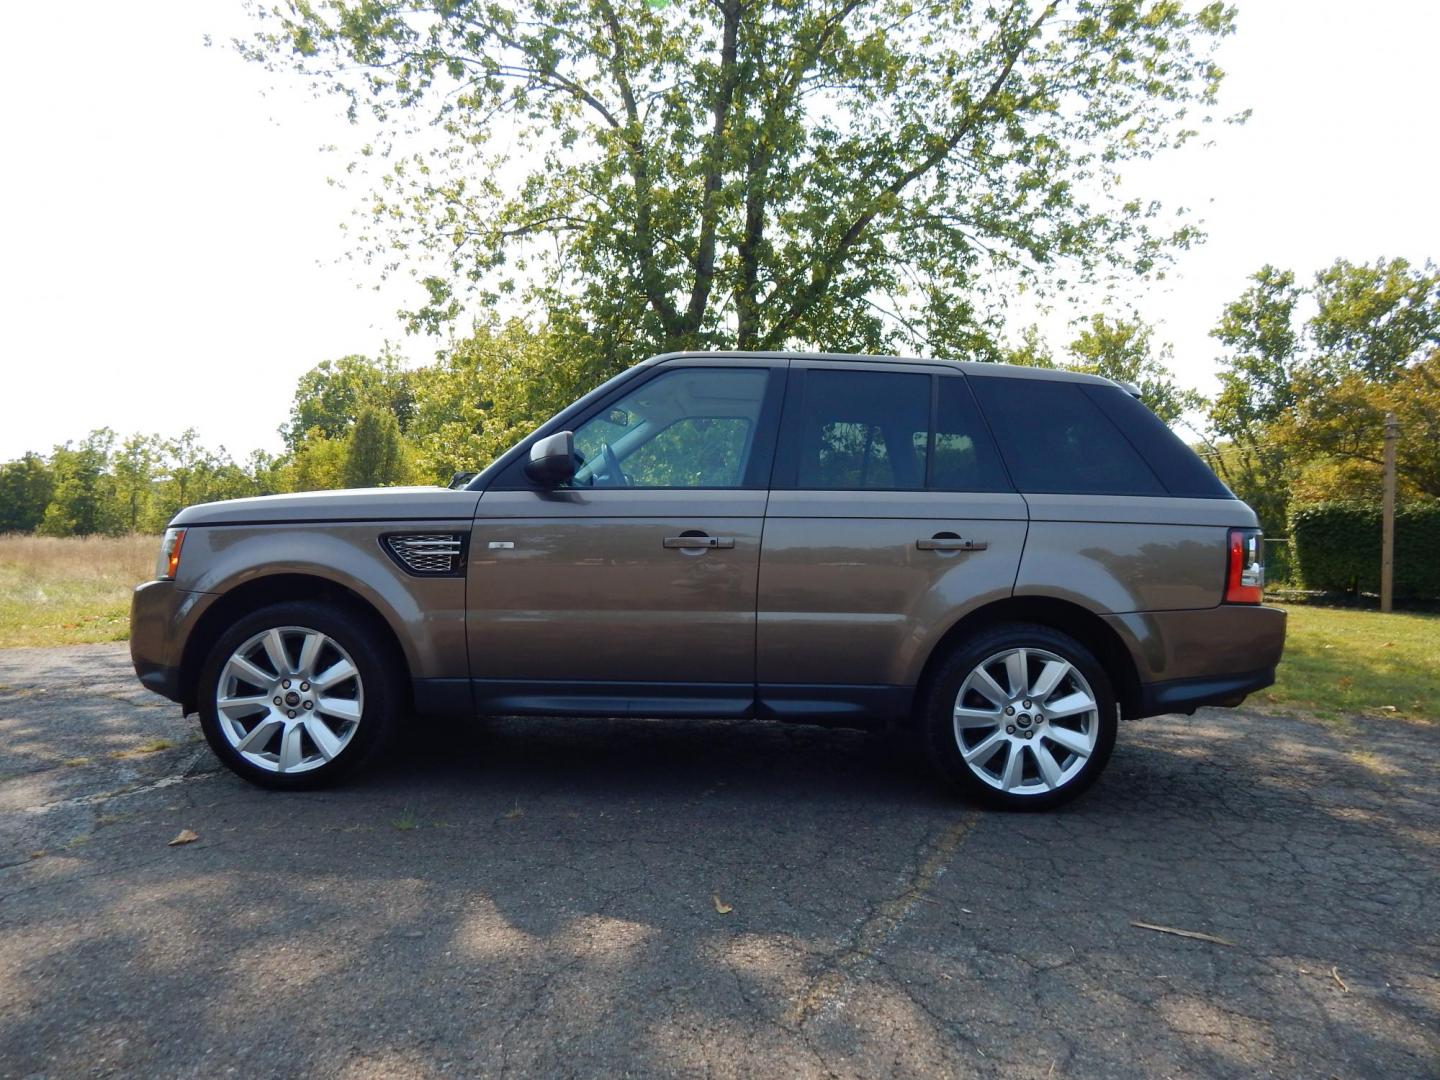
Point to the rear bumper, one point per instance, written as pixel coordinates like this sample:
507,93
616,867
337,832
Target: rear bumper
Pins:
1187,695
1209,656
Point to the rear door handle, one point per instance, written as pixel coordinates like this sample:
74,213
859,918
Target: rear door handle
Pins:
699,541
951,543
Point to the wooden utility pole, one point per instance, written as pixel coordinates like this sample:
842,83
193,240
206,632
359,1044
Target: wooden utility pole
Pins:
1387,539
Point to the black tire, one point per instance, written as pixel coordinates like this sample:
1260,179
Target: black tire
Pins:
353,631
943,744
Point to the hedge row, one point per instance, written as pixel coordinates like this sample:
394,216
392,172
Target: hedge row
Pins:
1337,547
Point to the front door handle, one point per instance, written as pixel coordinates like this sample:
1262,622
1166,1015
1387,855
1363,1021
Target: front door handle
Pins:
699,541
951,543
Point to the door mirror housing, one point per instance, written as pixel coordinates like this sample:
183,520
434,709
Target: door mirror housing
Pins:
552,459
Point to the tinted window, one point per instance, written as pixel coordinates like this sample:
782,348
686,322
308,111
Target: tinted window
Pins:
1055,439
1177,466
688,428
864,430
964,457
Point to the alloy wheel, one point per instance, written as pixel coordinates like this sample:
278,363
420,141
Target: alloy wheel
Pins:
1026,721
289,699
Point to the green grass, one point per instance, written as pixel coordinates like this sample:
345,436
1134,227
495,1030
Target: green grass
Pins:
71,591
1340,662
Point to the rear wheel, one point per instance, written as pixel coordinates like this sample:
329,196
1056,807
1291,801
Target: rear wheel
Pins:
1020,716
297,695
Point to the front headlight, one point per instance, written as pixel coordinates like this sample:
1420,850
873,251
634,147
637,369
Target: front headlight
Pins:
169,560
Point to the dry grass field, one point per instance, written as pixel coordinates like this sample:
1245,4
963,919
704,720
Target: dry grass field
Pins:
70,591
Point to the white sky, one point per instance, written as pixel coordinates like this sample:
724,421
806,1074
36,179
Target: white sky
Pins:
169,243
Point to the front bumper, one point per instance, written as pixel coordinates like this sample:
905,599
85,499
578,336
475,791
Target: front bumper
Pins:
160,616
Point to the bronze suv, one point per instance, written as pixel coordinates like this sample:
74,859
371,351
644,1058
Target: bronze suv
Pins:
1009,560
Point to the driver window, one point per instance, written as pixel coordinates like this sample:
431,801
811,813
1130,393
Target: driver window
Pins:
689,428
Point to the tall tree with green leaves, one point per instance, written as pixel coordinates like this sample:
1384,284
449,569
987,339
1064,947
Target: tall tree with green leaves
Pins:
330,395
134,468
493,388
26,485
83,501
857,174
374,456
1309,373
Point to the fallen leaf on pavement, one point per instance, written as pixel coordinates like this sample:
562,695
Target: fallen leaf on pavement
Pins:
185,837
1196,934
722,907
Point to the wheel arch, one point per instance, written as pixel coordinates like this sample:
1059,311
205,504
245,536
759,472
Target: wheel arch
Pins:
1069,618
273,589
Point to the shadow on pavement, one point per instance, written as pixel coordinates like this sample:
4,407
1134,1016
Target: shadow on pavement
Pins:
546,897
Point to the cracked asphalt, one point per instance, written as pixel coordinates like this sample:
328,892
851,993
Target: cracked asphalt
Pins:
543,898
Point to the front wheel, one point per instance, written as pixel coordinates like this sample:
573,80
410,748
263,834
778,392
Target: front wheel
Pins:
297,695
1020,716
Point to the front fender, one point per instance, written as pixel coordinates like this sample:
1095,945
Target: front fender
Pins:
426,614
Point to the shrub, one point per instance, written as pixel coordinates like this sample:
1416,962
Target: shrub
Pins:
1337,546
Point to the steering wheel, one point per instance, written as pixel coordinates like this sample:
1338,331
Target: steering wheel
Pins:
613,472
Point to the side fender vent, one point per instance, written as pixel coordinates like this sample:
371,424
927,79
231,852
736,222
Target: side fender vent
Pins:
428,554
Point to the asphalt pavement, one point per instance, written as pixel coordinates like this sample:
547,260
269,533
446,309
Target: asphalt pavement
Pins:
631,898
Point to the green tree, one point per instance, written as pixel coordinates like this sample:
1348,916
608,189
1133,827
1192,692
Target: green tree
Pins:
26,486
1125,350
1032,351
374,455
83,501
1374,321
1261,336
330,395
317,464
759,173
265,472
1121,349
134,470
493,388
1302,403
185,473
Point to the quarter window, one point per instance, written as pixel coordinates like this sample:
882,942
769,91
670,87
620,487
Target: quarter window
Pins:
1056,440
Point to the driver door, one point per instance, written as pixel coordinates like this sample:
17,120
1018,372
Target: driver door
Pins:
631,590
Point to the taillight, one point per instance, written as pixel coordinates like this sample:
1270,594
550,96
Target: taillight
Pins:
1245,572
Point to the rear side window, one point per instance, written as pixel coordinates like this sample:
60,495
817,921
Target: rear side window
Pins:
1178,467
864,430
872,430
1057,440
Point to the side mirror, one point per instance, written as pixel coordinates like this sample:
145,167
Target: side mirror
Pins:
552,459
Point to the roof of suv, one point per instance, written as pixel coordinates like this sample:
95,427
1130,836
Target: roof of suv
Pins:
969,367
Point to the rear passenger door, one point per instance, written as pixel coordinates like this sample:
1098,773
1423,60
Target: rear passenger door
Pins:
890,516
